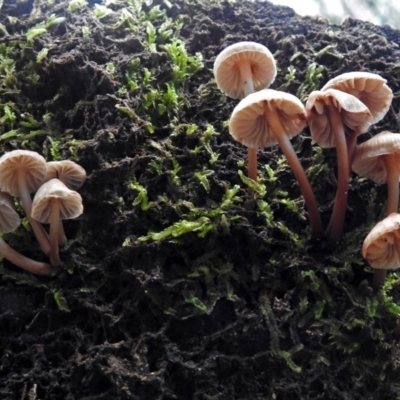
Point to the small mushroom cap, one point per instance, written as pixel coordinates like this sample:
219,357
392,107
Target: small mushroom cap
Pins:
249,121
368,157
370,88
54,189
355,115
68,172
379,247
31,162
9,218
227,72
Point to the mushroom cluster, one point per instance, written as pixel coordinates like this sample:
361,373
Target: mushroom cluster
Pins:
264,117
23,172
336,114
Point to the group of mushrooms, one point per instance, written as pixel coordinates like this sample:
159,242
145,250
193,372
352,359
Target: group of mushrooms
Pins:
336,115
54,183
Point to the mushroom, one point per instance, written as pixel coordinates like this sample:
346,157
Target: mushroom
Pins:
335,118
241,69
270,117
370,88
21,173
52,203
9,222
379,160
381,248
67,171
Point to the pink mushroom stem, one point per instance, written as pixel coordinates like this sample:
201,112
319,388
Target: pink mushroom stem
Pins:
38,229
336,223
252,163
247,75
54,232
393,184
23,262
298,171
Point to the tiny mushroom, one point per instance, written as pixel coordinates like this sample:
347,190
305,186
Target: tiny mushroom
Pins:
270,117
52,203
241,69
335,118
381,248
369,88
21,173
9,222
379,160
67,171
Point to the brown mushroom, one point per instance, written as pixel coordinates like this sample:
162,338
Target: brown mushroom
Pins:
9,222
379,160
267,118
381,248
67,171
21,173
370,88
54,202
335,118
241,69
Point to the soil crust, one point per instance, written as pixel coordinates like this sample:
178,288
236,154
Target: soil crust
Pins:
178,282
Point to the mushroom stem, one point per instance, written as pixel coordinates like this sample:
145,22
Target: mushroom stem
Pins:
379,278
336,223
23,262
252,163
40,233
54,226
247,77
351,148
393,184
298,171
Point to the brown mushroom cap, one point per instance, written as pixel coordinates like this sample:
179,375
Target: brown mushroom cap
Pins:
31,162
68,172
227,68
368,157
71,201
370,88
355,115
382,245
249,120
9,218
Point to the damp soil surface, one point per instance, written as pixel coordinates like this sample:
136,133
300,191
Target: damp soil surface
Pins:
178,281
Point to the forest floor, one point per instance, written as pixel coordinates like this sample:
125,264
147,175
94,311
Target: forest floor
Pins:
178,282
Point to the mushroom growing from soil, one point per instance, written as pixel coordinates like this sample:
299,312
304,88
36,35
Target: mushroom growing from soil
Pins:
241,69
369,88
335,118
270,117
9,222
379,160
381,248
54,202
21,173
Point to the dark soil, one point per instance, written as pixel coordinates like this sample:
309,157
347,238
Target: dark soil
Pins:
242,304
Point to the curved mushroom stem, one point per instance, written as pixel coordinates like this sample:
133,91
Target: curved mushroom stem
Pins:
336,223
54,226
298,171
23,262
393,184
62,239
38,229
